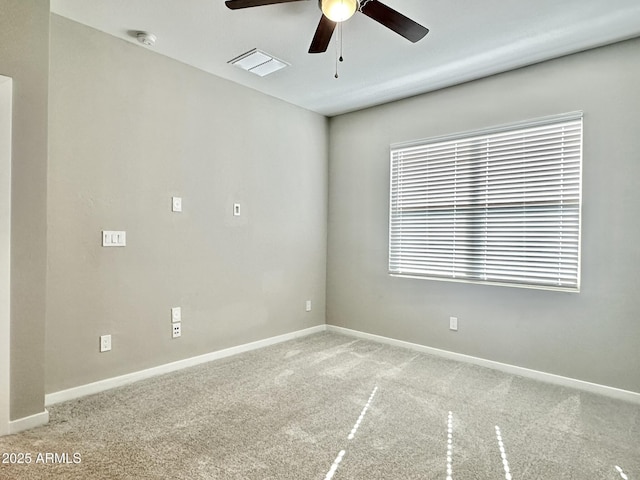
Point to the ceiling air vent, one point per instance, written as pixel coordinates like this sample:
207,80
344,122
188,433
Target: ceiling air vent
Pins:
258,62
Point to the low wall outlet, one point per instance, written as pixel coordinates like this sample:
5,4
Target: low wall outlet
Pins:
308,306
176,330
105,343
453,323
176,314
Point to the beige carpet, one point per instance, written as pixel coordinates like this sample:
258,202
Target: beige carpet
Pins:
332,407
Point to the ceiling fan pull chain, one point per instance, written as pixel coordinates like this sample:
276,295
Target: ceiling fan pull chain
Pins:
340,32
338,48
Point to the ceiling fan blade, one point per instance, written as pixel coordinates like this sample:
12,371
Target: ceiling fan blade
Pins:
323,35
236,4
394,20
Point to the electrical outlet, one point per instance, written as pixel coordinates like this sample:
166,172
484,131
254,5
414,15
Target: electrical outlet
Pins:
105,343
176,314
308,306
236,209
176,330
176,204
453,323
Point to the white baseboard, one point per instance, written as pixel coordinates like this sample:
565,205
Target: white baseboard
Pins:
27,423
102,385
109,383
611,392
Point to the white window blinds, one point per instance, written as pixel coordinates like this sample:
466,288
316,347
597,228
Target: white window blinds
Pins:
499,206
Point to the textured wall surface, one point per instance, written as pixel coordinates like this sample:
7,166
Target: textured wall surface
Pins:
129,129
592,336
25,58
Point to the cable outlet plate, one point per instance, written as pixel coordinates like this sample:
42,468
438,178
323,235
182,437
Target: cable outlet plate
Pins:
176,330
105,343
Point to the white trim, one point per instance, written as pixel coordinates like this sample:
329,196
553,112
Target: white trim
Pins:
27,423
109,383
619,394
6,94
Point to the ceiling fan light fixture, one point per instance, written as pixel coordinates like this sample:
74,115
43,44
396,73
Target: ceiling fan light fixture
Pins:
339,10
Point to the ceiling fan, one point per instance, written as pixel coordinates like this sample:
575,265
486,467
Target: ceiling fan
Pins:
336,11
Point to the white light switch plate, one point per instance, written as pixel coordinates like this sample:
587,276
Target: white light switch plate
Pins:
176,204
114,238
236,209
176,314
453,323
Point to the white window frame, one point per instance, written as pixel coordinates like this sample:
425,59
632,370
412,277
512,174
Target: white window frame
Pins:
487,231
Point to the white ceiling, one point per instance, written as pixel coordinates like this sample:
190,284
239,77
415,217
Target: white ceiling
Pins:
468,40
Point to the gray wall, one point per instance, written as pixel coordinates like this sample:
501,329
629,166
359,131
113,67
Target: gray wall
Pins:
24,56
592,336
129,129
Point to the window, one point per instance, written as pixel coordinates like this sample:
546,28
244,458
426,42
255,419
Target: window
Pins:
499,206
